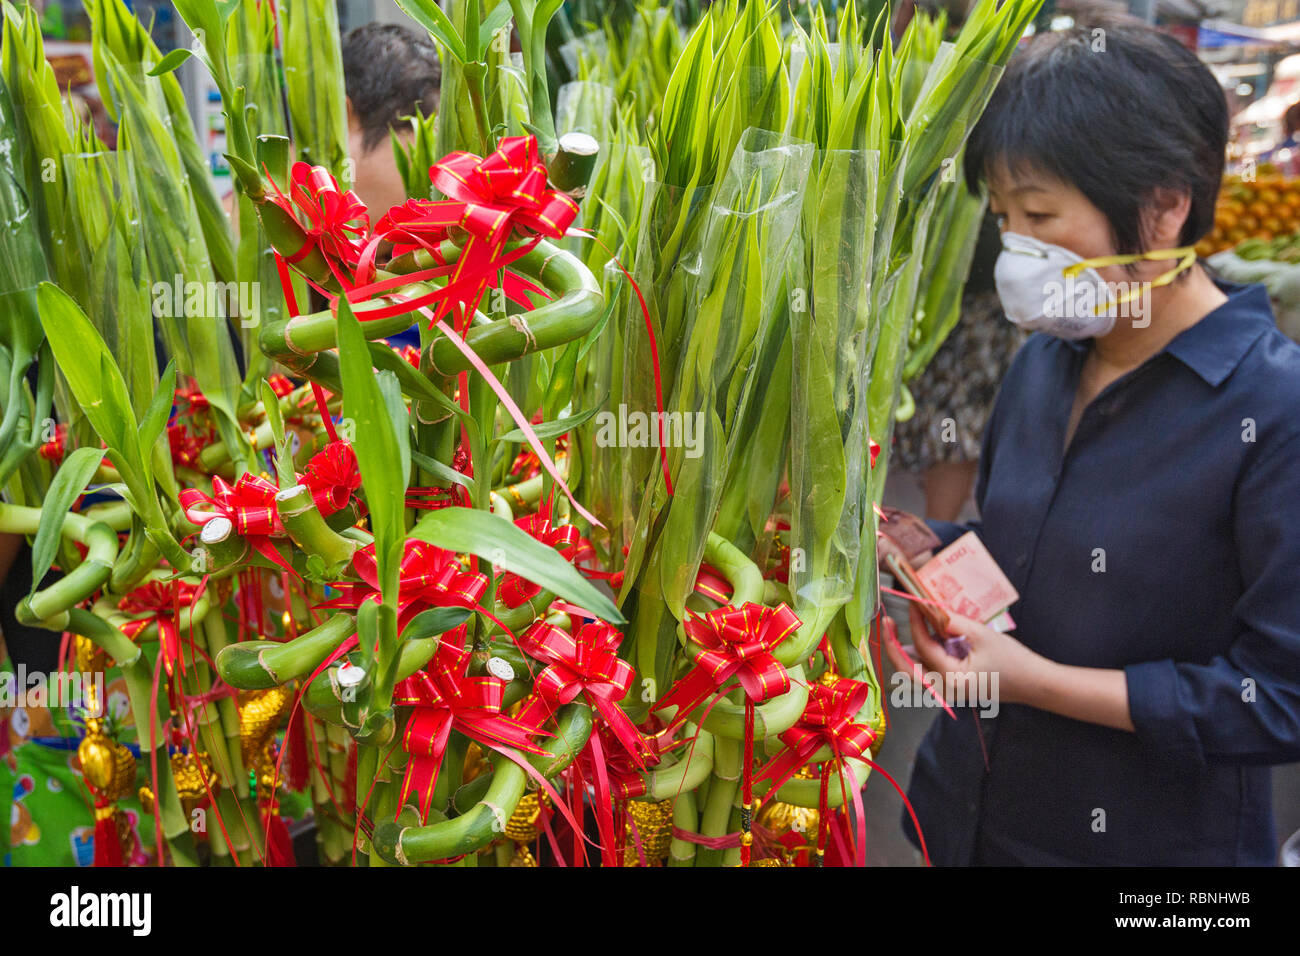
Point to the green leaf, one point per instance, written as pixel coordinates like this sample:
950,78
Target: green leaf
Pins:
91,373
284,470
437,620
492,24
473,17
429,15
377,448
170,62
552,429
391,391
439,470
469,531
69,482
415,384
160,408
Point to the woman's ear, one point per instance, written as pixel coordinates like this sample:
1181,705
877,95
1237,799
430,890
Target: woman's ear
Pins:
354,124
1163,217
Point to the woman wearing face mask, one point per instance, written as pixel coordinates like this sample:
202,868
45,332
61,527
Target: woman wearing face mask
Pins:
1139,485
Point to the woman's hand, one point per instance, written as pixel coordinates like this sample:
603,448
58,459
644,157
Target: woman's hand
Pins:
1016,667
1092,694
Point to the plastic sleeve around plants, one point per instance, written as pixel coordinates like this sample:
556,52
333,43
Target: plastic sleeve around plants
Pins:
829,459
710,367
313,77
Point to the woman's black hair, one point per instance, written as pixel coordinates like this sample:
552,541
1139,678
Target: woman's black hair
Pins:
1117,111
390,72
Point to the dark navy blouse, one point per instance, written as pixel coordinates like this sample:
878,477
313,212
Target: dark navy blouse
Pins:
1164,541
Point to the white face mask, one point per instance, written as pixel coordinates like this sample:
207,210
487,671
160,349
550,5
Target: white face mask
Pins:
1046,288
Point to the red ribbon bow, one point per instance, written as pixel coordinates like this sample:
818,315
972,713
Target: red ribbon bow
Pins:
444,698
193,400
333,475
584,663
250,507
738,642
333,221
187,443
488,198
428,577
827,721
160,601
249,504
52,450
587,663
282,385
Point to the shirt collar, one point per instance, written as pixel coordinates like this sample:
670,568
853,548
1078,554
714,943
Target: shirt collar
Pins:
1215,346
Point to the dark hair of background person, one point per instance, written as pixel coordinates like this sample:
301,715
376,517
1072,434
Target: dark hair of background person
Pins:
390,72
1291,119
1116,122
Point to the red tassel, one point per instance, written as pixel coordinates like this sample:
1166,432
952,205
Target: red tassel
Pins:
295,743
279,848
108,848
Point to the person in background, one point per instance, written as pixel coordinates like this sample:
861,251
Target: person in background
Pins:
390,72
1286,154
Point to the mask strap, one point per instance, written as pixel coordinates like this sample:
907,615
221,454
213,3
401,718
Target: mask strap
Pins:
1187,254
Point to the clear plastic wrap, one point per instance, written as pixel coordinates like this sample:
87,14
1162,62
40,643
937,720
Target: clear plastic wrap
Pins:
313,76
751,223
829,460
193,324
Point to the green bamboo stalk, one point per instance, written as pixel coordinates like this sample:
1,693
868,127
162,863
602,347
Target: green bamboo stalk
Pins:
216,640
716,813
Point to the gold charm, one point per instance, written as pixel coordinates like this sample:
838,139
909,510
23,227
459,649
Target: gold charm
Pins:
654,825
522,856
107,766
189,780
784,818
259,718
522,826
